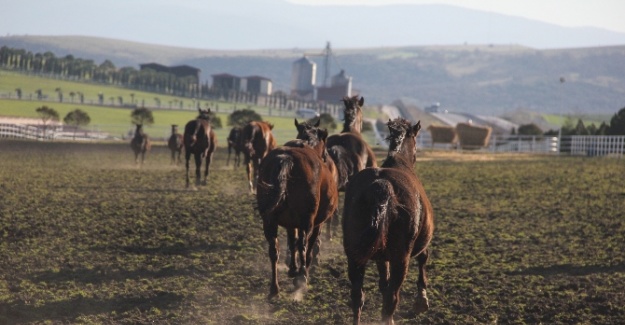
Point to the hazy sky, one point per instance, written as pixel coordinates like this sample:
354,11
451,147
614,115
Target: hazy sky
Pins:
607,14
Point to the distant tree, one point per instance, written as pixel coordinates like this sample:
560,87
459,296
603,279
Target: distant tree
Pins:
18,93
77,118
366,126
241,117
603,129
529,129
617,123
71,96
215,120
59,91
326,121
142,116
39,93
580,128
47,114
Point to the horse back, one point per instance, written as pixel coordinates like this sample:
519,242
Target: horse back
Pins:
309,185
408,214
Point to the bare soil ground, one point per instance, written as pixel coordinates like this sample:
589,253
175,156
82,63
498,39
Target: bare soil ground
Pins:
88,237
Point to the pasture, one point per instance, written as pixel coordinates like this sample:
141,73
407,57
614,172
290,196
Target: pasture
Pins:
88,237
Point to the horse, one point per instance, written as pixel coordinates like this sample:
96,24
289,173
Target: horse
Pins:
140,143
175,144
234,143
388,218
348,149
296,190
256,141
199,141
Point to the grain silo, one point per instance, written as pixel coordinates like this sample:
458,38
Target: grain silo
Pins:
303,78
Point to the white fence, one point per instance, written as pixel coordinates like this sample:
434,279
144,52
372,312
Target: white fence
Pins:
593,145
574,145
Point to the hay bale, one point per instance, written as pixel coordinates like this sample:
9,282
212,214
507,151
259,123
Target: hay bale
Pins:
443,134
473,136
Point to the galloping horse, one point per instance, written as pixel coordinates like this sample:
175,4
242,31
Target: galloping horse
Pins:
348,149
234,143
140,143
256,141
388,218
199,140
296,190
175,144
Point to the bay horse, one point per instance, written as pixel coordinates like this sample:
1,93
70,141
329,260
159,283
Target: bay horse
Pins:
256,142
348,149
140,143
296,190
175,144
234,143
388,218
199,141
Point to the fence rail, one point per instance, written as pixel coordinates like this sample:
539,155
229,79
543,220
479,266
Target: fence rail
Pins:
572,145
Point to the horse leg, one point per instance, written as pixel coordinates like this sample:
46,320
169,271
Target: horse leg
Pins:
271,234
249,171
198,168
206,168
301,280
421,304
383,272
390,297
356,274
292,253
187,156
314,244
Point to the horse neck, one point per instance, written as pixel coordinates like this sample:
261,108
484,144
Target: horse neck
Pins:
204,123
398,160
354,125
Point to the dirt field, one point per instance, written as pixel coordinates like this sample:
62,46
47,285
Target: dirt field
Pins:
87,237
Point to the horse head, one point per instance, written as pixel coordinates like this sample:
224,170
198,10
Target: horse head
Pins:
312,135
403,139
352,117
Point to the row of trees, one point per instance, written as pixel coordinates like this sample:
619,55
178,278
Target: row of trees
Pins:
87,70
616,127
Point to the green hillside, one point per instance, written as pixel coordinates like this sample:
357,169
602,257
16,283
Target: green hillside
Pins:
115,119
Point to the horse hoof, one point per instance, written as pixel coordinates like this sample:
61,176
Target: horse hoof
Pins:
203,183
421,305
272,294
300,282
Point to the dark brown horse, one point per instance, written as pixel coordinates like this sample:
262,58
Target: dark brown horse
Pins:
348,149
388,218
234,143
199,141
175,144
256,140
296,190
140,144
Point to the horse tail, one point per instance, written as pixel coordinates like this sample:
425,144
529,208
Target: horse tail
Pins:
380,204
274,186
337,154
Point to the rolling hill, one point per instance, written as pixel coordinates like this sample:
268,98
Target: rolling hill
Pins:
477,79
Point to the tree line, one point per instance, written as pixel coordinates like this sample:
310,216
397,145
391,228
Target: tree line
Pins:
87,70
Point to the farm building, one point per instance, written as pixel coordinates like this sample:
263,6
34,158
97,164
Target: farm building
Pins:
340,86
252,84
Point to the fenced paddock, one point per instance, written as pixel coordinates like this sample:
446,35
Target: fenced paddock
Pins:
572,145
89,237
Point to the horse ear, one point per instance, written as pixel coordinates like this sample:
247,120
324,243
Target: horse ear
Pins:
361,101
296,123
318,122
208,111
323,134
270,126
199,110
416,128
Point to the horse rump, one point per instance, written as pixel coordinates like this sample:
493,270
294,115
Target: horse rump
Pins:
366,220
271,189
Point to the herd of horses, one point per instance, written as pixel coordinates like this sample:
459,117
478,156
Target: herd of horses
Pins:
387,216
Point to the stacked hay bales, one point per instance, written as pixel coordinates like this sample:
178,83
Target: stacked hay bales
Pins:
443,134
472,136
